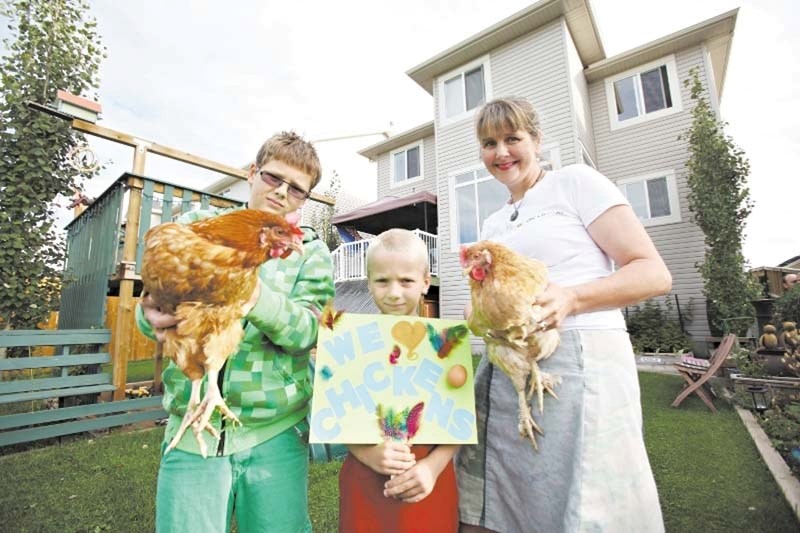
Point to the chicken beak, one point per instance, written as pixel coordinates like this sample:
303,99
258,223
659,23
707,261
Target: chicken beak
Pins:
297,246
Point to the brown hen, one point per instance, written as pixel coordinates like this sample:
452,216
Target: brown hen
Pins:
204,273
504,287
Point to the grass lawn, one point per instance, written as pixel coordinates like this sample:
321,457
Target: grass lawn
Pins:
709,475
137,370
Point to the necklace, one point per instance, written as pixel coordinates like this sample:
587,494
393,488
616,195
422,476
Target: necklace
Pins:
516,206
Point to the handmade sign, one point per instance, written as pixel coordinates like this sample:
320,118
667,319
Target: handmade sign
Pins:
408,378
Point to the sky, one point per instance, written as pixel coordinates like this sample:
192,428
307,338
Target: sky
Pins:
215,79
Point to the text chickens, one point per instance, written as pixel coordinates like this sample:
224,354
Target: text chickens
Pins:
407,381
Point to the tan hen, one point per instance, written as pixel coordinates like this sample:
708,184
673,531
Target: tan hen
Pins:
204,273
504,286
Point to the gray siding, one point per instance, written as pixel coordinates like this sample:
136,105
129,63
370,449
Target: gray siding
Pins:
653,146
579,92
428,182
533,66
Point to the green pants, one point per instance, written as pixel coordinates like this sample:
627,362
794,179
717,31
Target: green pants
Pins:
266,486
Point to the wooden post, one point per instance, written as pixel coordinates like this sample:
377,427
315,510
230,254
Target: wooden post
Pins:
127,303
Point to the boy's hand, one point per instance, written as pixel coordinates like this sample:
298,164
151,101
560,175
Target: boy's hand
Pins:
158,319
389,458
414,485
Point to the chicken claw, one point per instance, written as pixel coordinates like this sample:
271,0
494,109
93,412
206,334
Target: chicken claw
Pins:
526,422
540,383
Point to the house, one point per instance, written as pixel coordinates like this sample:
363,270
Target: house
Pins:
620,114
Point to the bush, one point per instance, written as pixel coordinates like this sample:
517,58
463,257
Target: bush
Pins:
787,307
653,328
782,425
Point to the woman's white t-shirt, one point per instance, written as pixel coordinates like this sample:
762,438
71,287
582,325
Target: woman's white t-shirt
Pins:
551,227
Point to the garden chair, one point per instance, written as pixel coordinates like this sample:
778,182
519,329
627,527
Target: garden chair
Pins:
696,376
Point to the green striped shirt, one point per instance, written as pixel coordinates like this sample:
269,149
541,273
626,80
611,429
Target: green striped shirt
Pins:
267,382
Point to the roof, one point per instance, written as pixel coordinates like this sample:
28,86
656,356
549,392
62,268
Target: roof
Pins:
716,32
577,13
396,141
353,296
410,212
79,101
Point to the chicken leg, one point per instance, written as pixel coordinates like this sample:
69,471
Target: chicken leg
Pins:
198,413
211,401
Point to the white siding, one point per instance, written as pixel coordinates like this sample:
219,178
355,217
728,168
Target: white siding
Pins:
652,146
533,66
428,182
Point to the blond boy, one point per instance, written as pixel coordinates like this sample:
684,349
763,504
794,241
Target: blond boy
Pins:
378,482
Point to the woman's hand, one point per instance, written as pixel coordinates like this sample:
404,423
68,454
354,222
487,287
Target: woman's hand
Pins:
160,320
389,458
413,485
556,303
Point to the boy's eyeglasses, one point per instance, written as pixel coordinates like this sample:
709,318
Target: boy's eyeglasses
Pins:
274,181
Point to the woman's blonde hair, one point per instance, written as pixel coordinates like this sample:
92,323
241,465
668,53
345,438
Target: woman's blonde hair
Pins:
508,114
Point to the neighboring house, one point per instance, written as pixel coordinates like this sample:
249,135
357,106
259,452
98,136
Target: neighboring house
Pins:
620,114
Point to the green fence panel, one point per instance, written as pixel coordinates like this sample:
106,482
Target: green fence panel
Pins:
68,413
68,428
54,337
24,363
92,247
42,395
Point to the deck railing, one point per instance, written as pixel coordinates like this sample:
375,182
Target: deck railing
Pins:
350,258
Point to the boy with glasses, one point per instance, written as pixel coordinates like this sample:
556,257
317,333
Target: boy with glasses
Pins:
258,470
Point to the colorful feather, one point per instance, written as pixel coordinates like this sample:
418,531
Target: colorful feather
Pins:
444,342
330,316
395,355
399,425
414,420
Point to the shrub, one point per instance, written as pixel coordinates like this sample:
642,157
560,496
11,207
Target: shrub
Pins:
654,328
787,307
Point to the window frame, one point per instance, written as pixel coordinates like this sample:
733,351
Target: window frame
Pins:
674,88
444,120
672,194
453,206
416,144
554,150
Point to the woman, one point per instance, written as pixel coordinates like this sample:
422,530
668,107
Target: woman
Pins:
591,471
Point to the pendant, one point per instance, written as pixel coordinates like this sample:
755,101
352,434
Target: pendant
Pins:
514,216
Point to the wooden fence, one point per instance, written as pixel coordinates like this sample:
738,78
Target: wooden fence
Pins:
22,394
141,347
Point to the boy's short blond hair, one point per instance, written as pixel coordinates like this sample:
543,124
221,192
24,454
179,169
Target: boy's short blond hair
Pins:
400,240
290,148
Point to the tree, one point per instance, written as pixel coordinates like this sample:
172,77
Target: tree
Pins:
320,219
720,202
53,45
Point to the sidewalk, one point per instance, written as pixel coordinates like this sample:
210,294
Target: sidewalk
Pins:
661,364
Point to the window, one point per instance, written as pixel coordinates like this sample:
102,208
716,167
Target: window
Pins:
648,92
477,195
463,90
406,164
550,156
654,198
